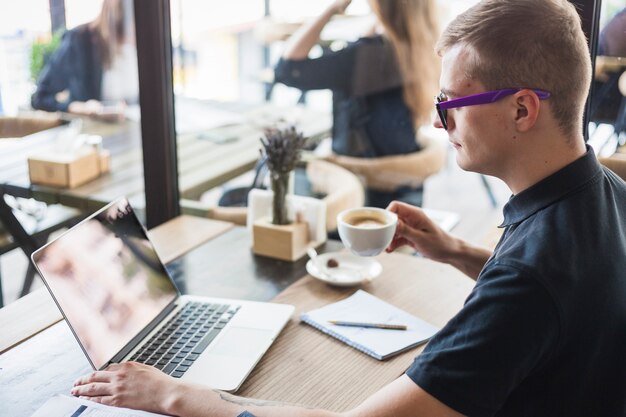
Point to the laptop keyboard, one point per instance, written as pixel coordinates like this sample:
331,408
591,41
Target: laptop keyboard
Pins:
175,347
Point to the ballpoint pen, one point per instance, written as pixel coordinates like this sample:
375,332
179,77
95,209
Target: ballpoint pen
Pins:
368,325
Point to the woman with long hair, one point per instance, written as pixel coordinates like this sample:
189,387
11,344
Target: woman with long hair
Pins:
382,83
95,63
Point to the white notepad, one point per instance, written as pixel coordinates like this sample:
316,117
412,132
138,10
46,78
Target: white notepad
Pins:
364,307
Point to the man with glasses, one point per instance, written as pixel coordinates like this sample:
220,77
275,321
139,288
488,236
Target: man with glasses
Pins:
543,333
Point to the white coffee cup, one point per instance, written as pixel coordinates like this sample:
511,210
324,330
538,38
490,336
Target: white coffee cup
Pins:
366,231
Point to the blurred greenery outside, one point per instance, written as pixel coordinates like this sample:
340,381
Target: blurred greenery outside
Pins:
41,51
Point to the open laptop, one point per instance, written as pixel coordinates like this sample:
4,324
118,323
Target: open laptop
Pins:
121,304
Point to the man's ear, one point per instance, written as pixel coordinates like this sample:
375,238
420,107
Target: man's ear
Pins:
527,105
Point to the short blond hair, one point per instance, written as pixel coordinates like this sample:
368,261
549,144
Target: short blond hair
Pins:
527,43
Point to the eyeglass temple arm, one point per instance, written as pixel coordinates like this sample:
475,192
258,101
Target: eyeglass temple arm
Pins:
489,97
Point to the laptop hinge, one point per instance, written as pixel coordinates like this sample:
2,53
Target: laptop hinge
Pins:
146,330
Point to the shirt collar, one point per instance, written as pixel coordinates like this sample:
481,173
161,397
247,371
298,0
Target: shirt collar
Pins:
551,189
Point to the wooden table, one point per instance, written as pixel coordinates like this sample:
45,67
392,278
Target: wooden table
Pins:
606,64
204,160
303,366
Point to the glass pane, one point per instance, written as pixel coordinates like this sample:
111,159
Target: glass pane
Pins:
83,74
224,94
69,95
607,127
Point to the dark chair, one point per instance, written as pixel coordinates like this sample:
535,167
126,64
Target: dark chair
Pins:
238,196
608,102
56,217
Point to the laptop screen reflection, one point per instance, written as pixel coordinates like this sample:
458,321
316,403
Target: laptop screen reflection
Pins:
108,281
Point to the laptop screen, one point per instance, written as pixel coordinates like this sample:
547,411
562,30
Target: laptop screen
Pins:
107,279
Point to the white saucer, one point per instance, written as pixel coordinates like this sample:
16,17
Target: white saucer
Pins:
352,269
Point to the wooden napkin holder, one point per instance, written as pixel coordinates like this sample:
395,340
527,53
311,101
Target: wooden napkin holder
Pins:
68,170
287,242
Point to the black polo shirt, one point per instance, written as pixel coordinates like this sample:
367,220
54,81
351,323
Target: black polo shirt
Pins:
543,333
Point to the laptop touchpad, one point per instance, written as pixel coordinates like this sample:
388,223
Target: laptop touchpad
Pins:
241,341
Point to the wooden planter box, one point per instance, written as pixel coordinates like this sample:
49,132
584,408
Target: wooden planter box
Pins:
287,242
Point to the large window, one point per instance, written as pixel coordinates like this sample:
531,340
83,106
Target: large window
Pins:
223,79
20,28
62,60
214,53
226,92
62,97
607,126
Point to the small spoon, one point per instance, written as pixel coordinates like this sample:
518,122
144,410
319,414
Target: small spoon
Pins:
320,267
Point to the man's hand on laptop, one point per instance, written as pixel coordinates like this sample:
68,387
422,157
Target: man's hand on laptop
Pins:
143,387
130,385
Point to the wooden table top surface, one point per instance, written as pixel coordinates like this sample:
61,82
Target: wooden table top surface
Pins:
206,158
303,366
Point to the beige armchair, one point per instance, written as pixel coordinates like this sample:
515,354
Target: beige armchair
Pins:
389,173
236,215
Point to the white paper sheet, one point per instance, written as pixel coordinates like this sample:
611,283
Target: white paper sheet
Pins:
65,406
444,219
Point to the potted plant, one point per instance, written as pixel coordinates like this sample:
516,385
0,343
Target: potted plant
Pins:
282,150
281,238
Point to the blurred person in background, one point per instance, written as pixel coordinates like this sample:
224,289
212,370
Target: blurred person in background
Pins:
608,104
94,71
613,36
382,84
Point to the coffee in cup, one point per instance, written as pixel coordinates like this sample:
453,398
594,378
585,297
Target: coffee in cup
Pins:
366,231
366,221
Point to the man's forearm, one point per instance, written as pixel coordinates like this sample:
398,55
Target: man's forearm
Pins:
196,401
261,408
468,258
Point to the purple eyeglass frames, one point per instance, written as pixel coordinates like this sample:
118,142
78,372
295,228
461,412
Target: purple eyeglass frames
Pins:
443,104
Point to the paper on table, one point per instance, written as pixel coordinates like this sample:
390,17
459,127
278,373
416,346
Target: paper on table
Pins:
192,116
65,406
444,219
364,307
